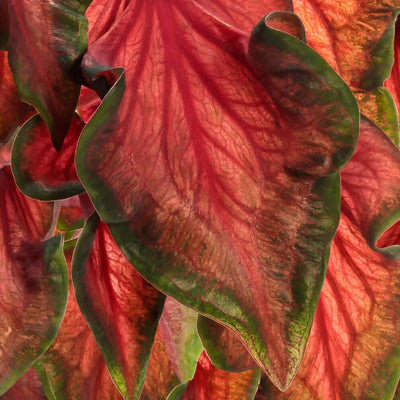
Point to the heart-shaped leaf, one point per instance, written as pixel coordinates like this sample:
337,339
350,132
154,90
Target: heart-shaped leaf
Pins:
216,163
33,285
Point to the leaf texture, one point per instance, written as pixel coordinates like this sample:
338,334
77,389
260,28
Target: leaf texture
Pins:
216,166
33,287
47,40
121,308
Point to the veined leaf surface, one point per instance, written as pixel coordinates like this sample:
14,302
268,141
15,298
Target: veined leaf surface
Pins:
33,285
222,157
47,40
121,308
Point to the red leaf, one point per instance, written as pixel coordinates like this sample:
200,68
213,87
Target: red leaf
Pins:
161,377
33,285
212,383
40,171
353,350
73,365
12,109
27,387
121,308
215,165
47,40
356,39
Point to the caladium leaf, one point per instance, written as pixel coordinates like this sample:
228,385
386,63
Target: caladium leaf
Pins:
354,350
33,286
29,386
178,331
211,383
223,347
4,25
71,215
211,147
73,367
121,308
47,40
357,41
161,377
12,109
40,171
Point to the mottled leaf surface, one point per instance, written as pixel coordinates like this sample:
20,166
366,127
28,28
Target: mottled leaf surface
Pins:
12,109
73,367
121,308
223,347
161,377
29,386
211,383
40,170
223,156
179,333
354,346
356,38
47,40
33,285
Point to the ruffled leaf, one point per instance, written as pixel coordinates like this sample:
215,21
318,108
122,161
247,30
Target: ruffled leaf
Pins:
354,346
178,331
33,285
29,386
216,163
40,171
357,41
73,367
211,383
47,41
223,347
121,308
12,109
161,377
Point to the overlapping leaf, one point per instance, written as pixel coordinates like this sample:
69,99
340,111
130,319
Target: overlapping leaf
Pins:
121,308
73,367
354,350
211,383
29,386
161,377
179,333
12,109
217,165
33,285
356,39
47,40
40,171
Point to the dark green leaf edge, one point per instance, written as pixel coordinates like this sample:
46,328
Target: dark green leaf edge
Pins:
31,188
56,266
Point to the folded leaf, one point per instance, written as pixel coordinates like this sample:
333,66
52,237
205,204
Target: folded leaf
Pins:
47,40
33,285
121,308
29,386
354,346
161,377
216,163
178,331
357,41
40,171
73,367
12,109
211,383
